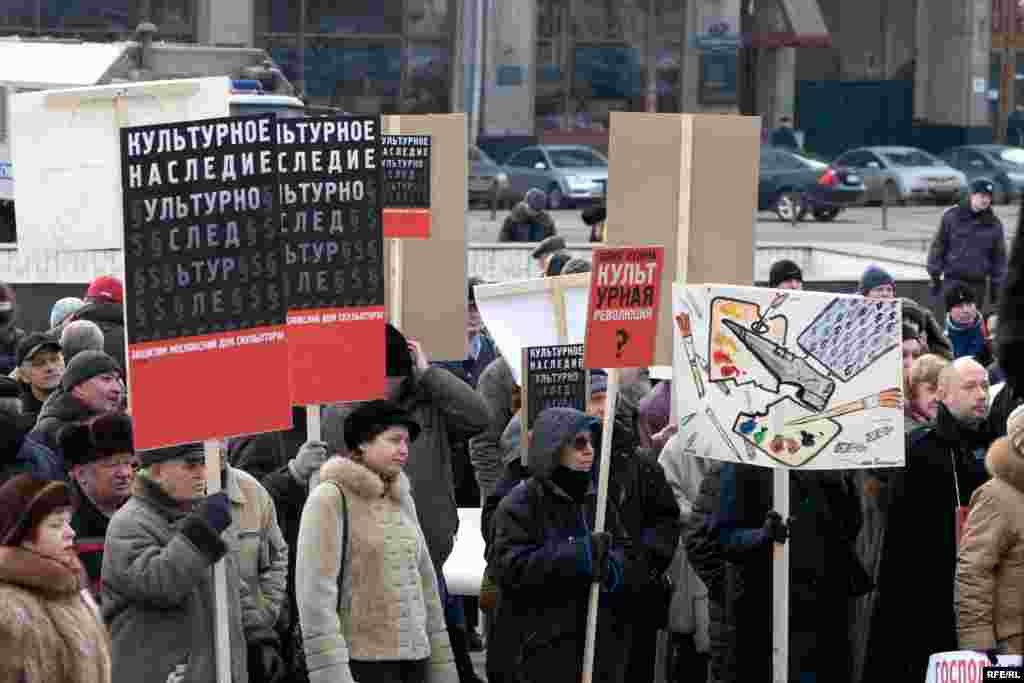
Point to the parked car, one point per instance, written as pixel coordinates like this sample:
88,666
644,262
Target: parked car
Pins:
899,174
486,179
568,173
793,186
1002,164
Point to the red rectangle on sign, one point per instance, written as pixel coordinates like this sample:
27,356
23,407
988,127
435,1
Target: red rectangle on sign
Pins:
337,354
407,223
622,316
209,387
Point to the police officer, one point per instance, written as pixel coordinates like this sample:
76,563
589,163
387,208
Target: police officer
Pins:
969,246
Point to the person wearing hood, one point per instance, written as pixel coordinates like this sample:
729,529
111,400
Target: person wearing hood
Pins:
104,305
528,221
965,326
101,455
545,558
990,567
365,584
970,246
944,467
10,334
63,310
50,627
91,385
40,369
929,331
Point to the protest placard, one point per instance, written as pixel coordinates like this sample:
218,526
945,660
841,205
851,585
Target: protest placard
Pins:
405,161
332,243
204,297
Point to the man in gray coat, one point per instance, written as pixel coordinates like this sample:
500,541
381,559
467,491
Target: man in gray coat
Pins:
158,591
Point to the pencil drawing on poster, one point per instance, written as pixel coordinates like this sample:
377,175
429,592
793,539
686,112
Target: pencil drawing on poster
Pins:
790,378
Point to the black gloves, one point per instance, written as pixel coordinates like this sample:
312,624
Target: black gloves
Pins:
265,663
215,510
600,547
774,530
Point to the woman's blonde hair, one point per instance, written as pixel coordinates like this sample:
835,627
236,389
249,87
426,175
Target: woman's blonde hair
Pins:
925,370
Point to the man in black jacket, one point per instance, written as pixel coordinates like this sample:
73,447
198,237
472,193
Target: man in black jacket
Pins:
969,246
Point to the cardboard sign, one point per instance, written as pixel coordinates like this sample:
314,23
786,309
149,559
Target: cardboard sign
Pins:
789,379
622,316
333,257
554,378
406,165
204,293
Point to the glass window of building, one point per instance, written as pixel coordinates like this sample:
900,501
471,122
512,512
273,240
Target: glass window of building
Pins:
98,19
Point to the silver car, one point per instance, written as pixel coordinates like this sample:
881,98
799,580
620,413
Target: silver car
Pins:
568,173
900,174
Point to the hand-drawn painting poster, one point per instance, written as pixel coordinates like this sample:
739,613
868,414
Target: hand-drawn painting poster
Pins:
205,304
333,257
794,379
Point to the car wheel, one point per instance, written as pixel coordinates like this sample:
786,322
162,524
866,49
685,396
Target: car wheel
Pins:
556,200
789,207
891,195
826,215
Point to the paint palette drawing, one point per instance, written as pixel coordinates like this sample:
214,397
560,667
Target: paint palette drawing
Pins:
852,333
792,446
728,359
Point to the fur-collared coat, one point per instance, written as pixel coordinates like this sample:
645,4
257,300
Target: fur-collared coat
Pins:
990,567
389,606
50,627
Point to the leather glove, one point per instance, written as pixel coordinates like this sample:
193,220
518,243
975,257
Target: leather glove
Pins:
311,456
774,530
600,549
936,285
215,510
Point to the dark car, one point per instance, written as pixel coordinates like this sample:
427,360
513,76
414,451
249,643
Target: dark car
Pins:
486,179
1002,164
793,186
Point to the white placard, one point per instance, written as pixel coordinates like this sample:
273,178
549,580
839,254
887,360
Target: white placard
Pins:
963,666
790,379
66,147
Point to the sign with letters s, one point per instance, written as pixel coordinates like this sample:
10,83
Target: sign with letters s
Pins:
333,257
406,168
204,289
622,316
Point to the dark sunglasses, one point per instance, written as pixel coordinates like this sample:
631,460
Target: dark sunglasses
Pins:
581,442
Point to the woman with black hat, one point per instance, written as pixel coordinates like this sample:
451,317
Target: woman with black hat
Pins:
364,582
50,629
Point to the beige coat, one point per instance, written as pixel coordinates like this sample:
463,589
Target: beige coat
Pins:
50,627
990,568
389,608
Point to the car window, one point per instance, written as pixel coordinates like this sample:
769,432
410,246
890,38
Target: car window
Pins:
1012,157
853,160
526,158
575,158
910,157
951,157
976,160
789,163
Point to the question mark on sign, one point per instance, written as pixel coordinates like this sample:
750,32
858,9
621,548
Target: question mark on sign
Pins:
622,338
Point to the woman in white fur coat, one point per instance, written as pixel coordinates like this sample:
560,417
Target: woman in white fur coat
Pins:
388,624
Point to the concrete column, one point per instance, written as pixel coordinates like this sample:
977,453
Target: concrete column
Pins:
228,23
776,95
510,79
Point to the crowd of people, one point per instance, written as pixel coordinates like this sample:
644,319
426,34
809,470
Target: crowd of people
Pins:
334,549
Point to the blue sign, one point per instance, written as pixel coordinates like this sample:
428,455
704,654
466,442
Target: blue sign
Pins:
510,75
718,38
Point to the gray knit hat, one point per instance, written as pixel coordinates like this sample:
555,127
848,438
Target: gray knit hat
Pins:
85,366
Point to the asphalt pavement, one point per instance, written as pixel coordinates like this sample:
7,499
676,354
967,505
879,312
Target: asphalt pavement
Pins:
905,227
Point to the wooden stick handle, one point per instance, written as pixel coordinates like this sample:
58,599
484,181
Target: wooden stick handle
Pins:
222,634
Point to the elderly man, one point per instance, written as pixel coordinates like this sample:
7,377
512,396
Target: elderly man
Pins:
40,369
80,335
158,593
102,460
91,385
945,465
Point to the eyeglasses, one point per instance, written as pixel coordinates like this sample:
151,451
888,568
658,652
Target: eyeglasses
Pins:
582,442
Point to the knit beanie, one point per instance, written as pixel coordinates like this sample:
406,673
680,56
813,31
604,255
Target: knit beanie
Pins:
874,277
959,294
106,288
536,199
64,308
25,501
85,366
782,271
399,360
576,265
598,382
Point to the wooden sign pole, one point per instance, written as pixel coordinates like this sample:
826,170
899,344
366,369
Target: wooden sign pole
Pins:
395,278
780,582
214,451
313,423
524,407
599,520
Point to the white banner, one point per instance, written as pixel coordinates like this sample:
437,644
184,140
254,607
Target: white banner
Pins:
790,379
965,666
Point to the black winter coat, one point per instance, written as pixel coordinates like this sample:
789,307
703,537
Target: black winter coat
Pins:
540,622
109,317
969,247
914,616
523,226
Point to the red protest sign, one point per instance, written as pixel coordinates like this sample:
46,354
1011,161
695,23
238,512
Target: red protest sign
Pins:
622,317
